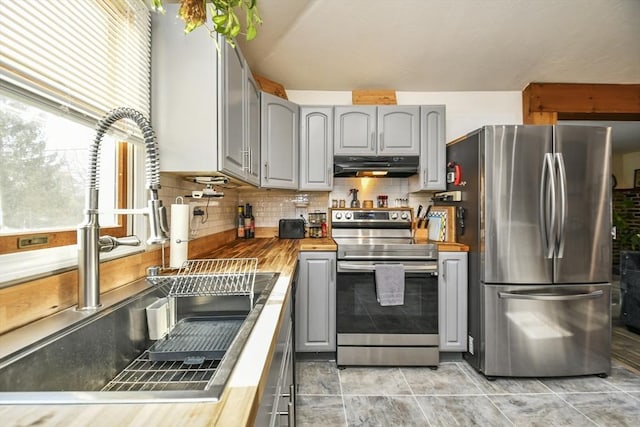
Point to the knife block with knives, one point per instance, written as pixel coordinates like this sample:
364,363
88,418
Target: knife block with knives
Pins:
422,220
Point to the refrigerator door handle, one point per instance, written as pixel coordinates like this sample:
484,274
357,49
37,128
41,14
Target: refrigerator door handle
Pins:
562,182
553,297
547,205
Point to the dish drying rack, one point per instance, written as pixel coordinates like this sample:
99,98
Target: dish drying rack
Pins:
208,277
195,339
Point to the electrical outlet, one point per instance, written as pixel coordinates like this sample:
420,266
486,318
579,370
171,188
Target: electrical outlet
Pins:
198,212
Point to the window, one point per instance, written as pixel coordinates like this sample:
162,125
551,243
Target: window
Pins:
63,66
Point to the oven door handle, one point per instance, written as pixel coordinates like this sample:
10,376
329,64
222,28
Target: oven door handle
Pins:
431,268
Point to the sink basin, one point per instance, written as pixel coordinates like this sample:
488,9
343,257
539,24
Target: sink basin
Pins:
102,357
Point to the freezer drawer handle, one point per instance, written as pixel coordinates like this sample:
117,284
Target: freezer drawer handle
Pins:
558,297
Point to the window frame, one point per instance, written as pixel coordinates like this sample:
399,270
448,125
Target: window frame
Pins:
9,243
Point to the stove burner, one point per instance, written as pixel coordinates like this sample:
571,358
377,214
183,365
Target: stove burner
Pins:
378,234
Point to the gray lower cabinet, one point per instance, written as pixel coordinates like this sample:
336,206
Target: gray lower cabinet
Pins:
452,301
316,302
432,174
279,141
277,406
316,148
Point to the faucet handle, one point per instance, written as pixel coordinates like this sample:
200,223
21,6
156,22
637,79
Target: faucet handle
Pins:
109,243
158,228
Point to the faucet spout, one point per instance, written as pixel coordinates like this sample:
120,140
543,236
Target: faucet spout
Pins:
90,244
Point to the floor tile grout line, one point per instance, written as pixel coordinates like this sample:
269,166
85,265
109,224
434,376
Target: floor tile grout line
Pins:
475,381
632,396
344,406
578,410
500,411
415,398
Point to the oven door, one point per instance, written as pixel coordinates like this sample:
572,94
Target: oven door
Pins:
360,316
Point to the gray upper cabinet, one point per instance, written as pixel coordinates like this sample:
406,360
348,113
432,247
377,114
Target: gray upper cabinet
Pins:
399,130
205,108
184,95
239,118
433,152
279,142
316,148
452,301
253,130
382,130
232,143
355,131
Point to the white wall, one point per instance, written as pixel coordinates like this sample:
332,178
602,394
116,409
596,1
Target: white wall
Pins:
466,111
630,162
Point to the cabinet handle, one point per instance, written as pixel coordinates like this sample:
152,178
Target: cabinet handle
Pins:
373,141
381,141
426,176
291,406
444,270
266,171
245,154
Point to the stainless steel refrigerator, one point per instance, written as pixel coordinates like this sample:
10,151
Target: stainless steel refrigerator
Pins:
536,213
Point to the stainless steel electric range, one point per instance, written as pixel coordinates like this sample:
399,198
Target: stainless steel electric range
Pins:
367,332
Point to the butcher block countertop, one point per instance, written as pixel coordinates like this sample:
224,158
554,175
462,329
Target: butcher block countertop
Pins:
239,402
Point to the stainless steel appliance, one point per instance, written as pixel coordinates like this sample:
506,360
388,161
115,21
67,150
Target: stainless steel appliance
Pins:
367,332
536,214
378,166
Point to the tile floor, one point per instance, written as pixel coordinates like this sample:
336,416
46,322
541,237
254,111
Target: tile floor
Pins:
456,395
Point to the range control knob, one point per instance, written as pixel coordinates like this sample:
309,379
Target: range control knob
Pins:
347,215
404,216
394,215
338,215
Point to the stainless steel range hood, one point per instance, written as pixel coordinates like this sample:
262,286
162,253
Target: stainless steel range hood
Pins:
375,166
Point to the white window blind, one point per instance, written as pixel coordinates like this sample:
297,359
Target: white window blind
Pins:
87,55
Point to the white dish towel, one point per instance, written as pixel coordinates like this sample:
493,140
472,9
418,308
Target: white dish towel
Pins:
390,284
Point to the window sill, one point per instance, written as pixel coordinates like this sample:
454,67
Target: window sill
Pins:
22,267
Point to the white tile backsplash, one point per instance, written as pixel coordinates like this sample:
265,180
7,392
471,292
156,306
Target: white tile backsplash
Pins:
271,205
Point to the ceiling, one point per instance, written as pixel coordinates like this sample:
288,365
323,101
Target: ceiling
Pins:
449,45
445,45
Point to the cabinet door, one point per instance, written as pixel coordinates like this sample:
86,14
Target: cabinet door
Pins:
399,130
279,124
184,109
316,148
452,301
433,152
252,148
232,155
355,131
316,302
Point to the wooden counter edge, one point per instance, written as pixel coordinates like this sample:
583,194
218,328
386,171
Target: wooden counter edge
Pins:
452,247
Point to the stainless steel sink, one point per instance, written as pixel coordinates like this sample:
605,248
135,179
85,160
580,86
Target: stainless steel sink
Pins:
72,357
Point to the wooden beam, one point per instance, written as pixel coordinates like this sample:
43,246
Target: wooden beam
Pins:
373,97
581,98
530,117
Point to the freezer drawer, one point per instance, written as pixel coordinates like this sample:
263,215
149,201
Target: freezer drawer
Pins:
540,331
